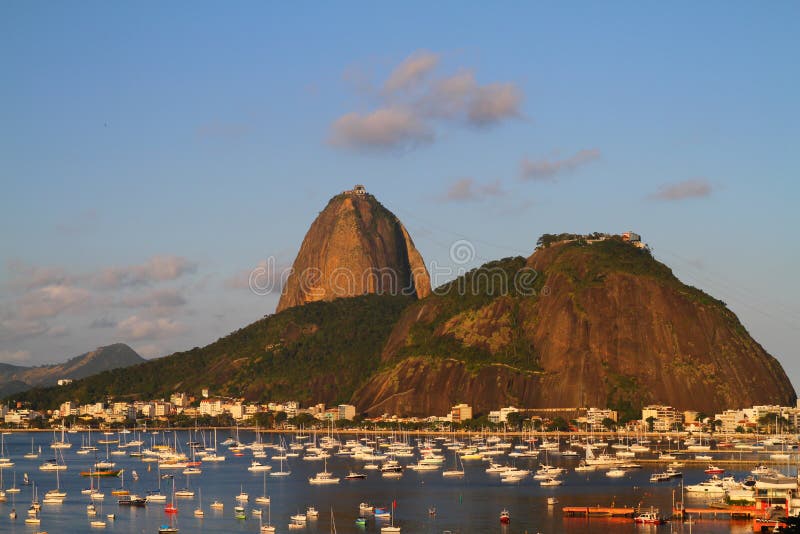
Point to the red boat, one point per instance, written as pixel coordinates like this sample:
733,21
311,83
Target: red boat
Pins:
714,470
505,517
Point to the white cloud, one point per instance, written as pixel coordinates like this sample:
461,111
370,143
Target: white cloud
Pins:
385,128
51,300
57,331
493,103
548,169
103,322
15,329
468,189
411,71
158,298
24,276
414,103
695,188
156,269
136,327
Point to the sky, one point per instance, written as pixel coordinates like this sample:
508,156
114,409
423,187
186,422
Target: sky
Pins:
153,154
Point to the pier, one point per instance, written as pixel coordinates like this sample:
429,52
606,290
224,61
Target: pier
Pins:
738,512
597,511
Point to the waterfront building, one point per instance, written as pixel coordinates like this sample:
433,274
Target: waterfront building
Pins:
664,417
460,413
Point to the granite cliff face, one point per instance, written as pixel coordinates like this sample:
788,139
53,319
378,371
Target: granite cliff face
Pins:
608,326
355,247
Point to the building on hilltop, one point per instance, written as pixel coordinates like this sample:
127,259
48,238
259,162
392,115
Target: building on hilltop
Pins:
358,189
634,239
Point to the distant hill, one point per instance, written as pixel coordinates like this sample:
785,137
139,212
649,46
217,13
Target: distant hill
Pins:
15,378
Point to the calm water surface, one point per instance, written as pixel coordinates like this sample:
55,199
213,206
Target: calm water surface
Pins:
468,505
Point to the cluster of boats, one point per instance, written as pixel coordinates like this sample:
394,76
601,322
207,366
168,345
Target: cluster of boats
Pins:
383,455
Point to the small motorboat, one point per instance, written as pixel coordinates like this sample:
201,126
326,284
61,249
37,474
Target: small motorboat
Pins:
649,518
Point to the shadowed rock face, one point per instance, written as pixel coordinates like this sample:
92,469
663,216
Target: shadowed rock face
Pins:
609,326
354,247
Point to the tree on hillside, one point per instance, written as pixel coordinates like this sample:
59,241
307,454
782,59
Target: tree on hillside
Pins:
651,423
609,424
514,421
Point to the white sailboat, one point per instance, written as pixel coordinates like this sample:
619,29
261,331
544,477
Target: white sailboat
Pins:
31,455
456,472
281,472
198,512
5,461
268,528
62,443
390,528
57,495
263,498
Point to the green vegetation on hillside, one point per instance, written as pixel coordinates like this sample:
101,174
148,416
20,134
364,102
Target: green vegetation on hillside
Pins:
323,350
502,282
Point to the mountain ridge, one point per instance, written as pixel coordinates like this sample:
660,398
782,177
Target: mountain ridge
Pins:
601,325
17,378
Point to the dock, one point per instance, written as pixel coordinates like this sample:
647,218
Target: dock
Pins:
597,511
738,512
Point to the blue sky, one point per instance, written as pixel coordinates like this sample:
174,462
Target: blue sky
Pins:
152,154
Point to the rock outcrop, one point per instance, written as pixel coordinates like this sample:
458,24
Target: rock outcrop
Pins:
355,247
608,326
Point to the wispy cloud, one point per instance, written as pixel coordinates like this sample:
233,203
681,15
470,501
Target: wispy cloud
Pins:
51,300
414,102
25,276
550,169
411,71
16,329
103,322
465,189
268,276
386,128
136,327
39,297
57,331
694,188
158,298
460,97
156,269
